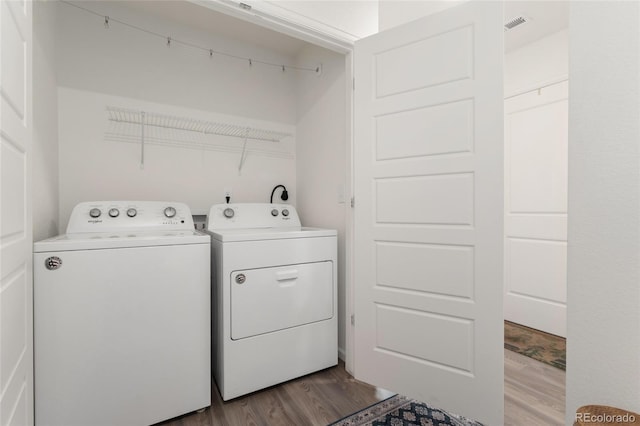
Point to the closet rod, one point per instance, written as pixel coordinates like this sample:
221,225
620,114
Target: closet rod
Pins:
535,89
210,52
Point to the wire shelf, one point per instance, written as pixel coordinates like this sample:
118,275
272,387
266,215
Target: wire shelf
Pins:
193,143
124,115
130,125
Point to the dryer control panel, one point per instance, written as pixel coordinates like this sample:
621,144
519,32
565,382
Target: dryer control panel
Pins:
251,216
115,216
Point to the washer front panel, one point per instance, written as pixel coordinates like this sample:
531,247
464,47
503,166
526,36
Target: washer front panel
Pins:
122,336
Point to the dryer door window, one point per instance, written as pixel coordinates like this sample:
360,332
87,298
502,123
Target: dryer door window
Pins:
270,299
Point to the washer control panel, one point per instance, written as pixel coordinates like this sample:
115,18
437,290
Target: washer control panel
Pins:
252,215
114,216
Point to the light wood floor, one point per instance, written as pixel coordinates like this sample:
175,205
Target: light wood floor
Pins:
534,395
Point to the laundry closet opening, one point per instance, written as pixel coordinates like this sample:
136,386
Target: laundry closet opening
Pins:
142,89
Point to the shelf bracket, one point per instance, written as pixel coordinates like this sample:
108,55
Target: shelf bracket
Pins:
243,155
141,140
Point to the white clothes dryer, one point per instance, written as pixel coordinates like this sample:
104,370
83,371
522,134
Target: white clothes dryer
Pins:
274,289
122,316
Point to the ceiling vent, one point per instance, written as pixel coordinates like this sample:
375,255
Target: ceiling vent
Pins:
512,23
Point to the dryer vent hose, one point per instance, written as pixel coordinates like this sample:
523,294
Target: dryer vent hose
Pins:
284,196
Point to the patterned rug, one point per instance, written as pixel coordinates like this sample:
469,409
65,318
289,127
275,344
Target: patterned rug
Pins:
536,344
399,410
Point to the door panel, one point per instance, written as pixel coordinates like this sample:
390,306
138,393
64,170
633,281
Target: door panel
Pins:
429,210
451,347
416,57
430,124
538,268
444,199
404,265
536,136
16,330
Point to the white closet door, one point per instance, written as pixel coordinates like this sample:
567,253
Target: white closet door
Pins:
536,135
16,289
429,210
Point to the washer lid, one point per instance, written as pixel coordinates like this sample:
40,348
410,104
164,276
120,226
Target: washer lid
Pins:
228,235
111,240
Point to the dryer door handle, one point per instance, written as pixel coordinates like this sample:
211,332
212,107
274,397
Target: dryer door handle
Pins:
289,274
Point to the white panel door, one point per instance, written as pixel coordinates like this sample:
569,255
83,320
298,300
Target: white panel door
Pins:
428,160
536,135
16,289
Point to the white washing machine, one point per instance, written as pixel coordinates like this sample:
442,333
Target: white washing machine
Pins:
274,288
122,316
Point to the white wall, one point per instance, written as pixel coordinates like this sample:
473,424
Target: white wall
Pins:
45,123
392,13
139,69
357,19
125,62
101,67
603,364
322,149
537,63
97,163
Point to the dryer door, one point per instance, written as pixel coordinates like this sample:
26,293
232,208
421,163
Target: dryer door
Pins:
265,300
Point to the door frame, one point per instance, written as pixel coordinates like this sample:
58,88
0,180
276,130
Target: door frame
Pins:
287,22
16,24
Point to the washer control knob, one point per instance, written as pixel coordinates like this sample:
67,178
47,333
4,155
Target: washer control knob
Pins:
241,278
169,212
274,212
95,213
228,213
114,212
132,212
285,212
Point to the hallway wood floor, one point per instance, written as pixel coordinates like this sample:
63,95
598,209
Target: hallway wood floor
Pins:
534,395
534,392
